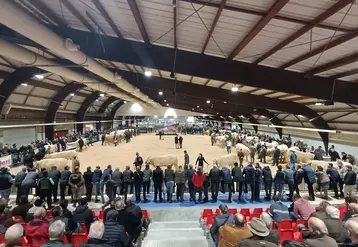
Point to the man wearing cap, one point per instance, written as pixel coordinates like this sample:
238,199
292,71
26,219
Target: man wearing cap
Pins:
259,232
223,218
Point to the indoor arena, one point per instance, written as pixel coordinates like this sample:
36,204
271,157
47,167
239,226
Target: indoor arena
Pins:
199,123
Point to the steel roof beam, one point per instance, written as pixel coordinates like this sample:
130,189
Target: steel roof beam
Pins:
135,11
81,113
106,16
77,15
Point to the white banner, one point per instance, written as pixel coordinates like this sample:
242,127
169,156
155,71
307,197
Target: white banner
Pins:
6,161
71,145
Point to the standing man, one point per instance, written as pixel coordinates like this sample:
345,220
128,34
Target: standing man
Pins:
276,157
107,171
97,174
252,153
18,180
341,172
65,175
249,173
227,179
318,153
180,141
117,180
349,182
267,178
214,176
334,179
147,176
138,179
238,178
103,138
138,161
169,182
45,188
75,163
241,156
88,176
179,176
200,161
293,158
158,182
176,141
258,178
279,181
55,175
127,179
289,180
186,160
298,178
309,180
76,182
263,153
81,144
189,176
212,138
198,181
228,146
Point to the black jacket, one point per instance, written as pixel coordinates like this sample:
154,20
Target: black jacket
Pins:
267,175
336,230
237,175
138,177
94,242
189,174
21,210
226,174
158,176
129,221
88,176
298,176
135,210
115,234
280,177
19,178
83,215
127,176
214,175
55,175
258,175
249,172
350,178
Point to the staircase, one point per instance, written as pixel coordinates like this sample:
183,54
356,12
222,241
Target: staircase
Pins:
176,234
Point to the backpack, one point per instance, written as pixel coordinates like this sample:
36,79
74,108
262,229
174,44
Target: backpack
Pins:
75,178
45,184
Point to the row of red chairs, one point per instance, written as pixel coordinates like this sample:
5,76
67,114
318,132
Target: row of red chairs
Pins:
243,211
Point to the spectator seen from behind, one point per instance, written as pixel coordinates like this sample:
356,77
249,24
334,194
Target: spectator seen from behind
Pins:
114,232
56,232
302,209
231,234
274,236
278,211
318,235
95,236
351,227
223,218
334,225
37,229
83,214
13,236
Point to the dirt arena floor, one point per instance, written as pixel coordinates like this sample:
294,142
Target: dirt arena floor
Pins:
149,145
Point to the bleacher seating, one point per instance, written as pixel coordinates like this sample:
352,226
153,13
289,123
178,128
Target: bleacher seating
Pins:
78,238
84,228
145,213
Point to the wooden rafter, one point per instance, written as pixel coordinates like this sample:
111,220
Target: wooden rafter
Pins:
135,11
216,19
322,17
275,8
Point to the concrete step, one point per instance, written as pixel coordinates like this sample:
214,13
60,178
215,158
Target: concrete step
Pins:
181,237
174,232
175,243
174,224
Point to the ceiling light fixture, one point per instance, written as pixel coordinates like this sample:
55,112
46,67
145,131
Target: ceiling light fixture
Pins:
148,73
319,103
301,116
97,100
101,94
155,116
125,102
165,100
225,102
208,101
167,104
160,93
39,76
255,110
24,84
72,94
235,88
197,106
192,109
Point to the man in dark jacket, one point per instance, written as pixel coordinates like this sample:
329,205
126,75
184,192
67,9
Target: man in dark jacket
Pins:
158,179
249,173
65,175
227,180
6,181
127,179
106,172
18,180
352,231
114,232
276,157
334,225
81,144
238,178
179,177
83,214
298,178
258,178
88,176
147,176
223,218
189,176
334,179
349,182
267,178
318,235
214,176
117,178
95,236
309,180
279,181
97,174
55,175
138,179
22,208
131,223
138,161
169,182
45,188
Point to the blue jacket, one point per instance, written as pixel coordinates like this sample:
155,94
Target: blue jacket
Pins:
97,174
293,158
288,175
309,175
249,172
115,234
106,172
333,174
280,177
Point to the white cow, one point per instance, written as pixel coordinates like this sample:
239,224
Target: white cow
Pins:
60,163
51,148
226,160
302,157
163,161
245,150
65,154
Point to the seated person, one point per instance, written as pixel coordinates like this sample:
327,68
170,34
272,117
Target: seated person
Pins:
127,219
321,213
114,232
223,218
65,212
233,234
302,209
39,203
22,208
72,227
274,236
83,214
6,219
37,229
56,232
334,225
278,211
13,235
352,208
318,234
95,236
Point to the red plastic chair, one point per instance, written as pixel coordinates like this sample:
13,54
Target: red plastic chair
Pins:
267,210
49,215
78,238
2,239
298,236
217,211
206,212
101,215
254,215
342,211
19,218
298,222
84,228
245,211
94,214
258,210
232,211
286,235
210,219
146,213
285,225
65,239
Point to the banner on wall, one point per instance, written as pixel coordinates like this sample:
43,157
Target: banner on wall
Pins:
6,161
